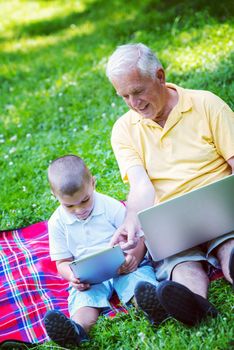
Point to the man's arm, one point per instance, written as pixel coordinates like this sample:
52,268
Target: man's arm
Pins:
141,196
230,161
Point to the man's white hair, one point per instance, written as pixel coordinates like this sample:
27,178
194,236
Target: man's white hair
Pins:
130,56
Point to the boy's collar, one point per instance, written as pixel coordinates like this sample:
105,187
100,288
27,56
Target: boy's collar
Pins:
98,209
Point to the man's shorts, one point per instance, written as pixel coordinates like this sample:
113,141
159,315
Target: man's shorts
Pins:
164,268
99,294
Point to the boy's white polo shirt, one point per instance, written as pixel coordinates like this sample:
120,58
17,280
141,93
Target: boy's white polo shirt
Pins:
70,237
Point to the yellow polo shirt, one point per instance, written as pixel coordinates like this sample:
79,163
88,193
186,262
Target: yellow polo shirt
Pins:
188,152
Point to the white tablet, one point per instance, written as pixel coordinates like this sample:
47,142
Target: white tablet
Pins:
99,267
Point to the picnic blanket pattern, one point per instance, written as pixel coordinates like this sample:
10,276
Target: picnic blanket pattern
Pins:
30,285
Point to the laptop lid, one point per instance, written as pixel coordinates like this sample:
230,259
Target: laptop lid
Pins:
190,219
99,267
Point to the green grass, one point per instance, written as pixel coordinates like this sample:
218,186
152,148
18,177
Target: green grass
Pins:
55,99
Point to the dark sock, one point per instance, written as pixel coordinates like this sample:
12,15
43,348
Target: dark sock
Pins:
231,267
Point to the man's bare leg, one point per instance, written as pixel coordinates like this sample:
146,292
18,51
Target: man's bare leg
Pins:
223,253
192,275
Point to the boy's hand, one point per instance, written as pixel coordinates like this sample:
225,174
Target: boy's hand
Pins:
130,264
75,282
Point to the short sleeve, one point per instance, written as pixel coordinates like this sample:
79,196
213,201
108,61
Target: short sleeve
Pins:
121,141
222,127
57,240
115,211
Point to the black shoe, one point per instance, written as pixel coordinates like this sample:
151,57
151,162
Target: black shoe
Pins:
231,267
62,330
184,305
206,308
16,345
147,300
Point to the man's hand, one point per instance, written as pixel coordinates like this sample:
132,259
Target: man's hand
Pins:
125,235
130,264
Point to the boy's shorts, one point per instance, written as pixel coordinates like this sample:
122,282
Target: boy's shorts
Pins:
164,268
99,294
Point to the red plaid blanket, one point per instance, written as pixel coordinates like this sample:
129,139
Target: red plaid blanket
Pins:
30,285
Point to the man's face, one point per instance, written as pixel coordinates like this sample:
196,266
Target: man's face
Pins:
80,203
143,94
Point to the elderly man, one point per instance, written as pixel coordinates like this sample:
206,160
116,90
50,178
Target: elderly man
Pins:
171,141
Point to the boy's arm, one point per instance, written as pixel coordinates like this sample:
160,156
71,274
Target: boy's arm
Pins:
139,251
133,257
65,271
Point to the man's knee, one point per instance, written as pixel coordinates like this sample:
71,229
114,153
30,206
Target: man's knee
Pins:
225,248
187,269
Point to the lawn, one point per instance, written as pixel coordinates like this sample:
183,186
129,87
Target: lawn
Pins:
55,99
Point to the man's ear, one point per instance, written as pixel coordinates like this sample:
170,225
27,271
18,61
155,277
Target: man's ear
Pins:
160,75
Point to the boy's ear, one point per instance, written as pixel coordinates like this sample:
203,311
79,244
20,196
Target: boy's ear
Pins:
94,181
53,194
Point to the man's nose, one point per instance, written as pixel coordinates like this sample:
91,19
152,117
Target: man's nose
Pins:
134,101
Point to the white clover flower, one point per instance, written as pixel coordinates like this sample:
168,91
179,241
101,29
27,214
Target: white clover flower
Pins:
9,107
12,150
61,109
60,94
75,129
6,156
1,136
2,140
24,189
72,83
113,104
141,336
13,138
34,205
28,135
103,114
19,125
10,163
85,127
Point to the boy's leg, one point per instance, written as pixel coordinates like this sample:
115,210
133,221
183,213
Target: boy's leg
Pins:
84,310
141,284
225,257
86,317
62,330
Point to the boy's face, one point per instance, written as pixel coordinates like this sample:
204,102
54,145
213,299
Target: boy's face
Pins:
80,203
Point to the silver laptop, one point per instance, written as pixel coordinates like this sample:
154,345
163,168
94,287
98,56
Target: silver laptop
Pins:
190,219
99,267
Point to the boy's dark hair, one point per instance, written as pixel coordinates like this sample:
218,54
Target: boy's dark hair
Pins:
68,174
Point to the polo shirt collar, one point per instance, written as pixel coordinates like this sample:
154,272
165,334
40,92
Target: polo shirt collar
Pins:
98,209
184,104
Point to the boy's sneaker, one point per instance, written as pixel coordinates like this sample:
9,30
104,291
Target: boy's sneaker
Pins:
62,330
184,305
146,299
231,267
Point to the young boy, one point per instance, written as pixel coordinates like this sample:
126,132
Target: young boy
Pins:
83,224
